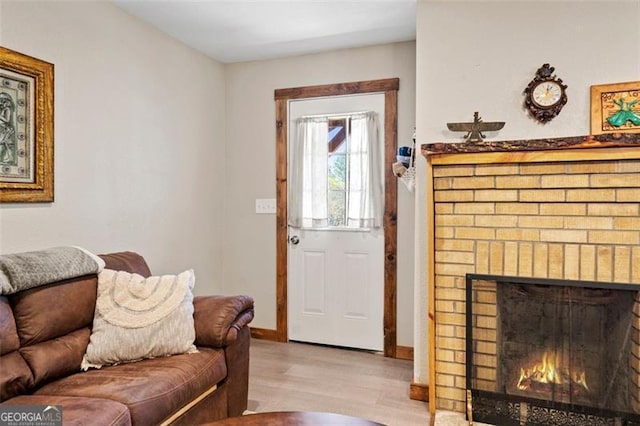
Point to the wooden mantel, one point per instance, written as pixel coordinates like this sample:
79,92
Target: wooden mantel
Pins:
610,146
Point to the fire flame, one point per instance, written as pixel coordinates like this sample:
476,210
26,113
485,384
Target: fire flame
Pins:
551,371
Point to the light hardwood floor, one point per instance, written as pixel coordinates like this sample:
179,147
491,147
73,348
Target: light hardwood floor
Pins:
304,377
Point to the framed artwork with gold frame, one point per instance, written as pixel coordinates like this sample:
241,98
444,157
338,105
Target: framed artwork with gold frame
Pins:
615,108
26,128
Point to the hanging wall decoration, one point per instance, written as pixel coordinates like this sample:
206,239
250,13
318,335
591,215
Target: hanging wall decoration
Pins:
26,128
546,95
615,108
474,129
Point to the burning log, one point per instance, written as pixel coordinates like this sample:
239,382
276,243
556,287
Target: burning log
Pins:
551,371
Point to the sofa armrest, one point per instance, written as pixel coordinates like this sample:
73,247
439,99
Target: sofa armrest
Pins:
219,318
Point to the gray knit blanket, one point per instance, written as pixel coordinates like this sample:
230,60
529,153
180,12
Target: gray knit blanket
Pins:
22,271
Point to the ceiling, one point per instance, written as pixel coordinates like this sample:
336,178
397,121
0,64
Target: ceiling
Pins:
248,30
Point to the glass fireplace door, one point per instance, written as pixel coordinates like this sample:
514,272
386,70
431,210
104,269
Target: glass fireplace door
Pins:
545,348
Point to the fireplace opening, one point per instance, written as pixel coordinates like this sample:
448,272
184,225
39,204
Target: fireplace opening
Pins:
546,352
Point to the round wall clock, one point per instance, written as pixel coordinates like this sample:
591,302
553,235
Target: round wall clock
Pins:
545,95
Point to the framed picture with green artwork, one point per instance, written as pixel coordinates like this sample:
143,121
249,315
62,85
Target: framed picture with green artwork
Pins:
26,128
615,108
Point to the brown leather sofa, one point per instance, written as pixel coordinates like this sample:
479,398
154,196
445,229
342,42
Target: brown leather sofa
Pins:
44,332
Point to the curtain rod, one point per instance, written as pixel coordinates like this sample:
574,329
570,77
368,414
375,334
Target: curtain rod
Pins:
340,115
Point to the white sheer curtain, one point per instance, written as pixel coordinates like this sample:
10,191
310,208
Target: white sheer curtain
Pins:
308,166
308,174
365,202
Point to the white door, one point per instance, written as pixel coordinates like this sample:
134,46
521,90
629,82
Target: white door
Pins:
336,275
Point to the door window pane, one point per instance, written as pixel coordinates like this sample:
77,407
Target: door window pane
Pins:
337,208
337,172
337,138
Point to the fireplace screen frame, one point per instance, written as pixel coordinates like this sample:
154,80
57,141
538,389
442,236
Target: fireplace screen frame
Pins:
508,409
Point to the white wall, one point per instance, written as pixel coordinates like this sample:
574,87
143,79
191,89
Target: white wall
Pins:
250,255
139,140
480,55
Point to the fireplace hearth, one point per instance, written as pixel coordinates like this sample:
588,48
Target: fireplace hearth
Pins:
552,352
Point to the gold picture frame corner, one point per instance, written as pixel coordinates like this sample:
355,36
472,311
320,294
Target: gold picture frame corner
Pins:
26,128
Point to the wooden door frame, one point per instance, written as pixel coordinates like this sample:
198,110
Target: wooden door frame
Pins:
282,97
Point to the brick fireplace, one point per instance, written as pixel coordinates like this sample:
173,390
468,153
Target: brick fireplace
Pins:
557,209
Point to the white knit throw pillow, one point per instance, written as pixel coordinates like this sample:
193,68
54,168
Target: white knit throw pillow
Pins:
137,318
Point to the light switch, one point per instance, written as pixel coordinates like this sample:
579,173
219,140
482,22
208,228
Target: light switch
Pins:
265,205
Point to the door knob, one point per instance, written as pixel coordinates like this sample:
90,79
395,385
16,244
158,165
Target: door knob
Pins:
294,240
